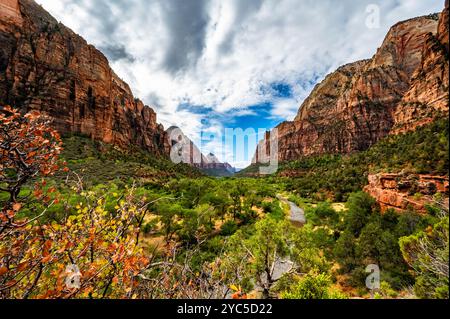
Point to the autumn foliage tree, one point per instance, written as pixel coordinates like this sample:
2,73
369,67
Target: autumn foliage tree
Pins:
28,148
91,253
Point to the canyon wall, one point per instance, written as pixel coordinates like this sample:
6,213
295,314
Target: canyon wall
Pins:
427,96
10,10
404,85
45,66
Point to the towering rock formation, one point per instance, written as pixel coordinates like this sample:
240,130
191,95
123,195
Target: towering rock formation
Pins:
185,151
427,95
404,85
45,66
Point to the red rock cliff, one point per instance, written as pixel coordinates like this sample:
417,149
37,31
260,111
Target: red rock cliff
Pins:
404,85
427,95
399,192
10,10
45,66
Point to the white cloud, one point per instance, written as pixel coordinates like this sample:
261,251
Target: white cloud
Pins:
220,53
285,108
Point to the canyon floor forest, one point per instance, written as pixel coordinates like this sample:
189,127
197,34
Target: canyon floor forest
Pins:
140,227
92,207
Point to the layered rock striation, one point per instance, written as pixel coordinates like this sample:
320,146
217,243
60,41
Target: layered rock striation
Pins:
45,66
400,192
427,96
10,10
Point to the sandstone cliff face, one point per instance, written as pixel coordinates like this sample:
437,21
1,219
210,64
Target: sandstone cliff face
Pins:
45,66
427,96
10,10
362,102
400,192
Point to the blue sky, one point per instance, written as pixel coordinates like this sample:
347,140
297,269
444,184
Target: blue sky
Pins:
250,123
250,126
209,65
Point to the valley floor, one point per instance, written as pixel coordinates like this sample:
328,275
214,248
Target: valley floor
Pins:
135,226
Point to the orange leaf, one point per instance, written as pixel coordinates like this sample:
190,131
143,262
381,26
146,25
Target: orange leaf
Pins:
46,259
46,249
3,270
8,108
239,295
17,206
38,193
10,213
22,266
31,154
236,295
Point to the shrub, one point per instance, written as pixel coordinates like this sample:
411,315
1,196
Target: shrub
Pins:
312,286
228,228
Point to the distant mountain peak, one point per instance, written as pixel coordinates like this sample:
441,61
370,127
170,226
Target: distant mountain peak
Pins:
193,156
212,158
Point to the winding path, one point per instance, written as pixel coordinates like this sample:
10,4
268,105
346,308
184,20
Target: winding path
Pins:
297,216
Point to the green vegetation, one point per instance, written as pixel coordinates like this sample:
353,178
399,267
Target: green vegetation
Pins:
143,227
369,237
425,150
427,252
99,163
266,254
313,286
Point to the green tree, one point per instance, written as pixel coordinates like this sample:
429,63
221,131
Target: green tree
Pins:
360,207
312,286
268,251
268,247
427,252
344,251
323,213
220,200
170,215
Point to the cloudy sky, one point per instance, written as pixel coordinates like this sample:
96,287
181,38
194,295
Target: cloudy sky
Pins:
214,64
